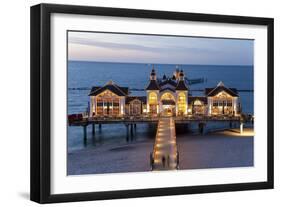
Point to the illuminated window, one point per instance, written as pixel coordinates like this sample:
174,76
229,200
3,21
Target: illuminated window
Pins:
215,103
153,98
167,96
197,102
181,103
229,103
107,103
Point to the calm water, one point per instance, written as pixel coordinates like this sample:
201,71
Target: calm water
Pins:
88,74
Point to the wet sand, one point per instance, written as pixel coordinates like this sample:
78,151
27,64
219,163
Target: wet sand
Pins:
216,150
213,150
126,157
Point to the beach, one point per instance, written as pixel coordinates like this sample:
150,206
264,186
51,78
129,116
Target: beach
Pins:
214,150
112,158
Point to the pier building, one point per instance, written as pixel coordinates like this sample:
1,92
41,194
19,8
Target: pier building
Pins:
166,96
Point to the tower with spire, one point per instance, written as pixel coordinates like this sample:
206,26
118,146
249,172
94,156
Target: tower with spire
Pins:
152,93
181,94
181,86
167,95
153,85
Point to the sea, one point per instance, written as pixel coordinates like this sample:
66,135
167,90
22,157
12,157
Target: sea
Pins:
83,75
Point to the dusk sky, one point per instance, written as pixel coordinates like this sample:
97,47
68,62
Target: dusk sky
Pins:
107,47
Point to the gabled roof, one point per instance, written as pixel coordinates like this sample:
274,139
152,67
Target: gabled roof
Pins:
220,87
111,86
167,81
203,99
164,89
181,86
140,98
153,85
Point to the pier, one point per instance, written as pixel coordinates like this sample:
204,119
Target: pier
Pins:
165,154
130,122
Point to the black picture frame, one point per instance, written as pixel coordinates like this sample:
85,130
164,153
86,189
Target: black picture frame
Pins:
41,98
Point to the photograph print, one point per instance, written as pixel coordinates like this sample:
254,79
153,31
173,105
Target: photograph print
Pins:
153,103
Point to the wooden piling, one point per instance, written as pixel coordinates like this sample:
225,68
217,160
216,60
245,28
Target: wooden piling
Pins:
93,129
132,132
201,128
127,132
85,133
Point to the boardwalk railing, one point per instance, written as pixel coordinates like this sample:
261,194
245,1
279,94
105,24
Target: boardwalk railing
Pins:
139,119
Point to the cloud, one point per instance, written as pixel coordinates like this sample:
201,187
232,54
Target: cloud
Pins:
111,45
141,48
138,47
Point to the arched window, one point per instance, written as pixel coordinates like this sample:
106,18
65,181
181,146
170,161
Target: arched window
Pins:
153,98
197,103
198,107
182,106
167,96
135,107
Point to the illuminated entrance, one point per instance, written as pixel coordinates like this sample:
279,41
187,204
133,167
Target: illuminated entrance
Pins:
168,104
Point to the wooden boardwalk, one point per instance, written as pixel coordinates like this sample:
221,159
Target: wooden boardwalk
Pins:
148,119
165,147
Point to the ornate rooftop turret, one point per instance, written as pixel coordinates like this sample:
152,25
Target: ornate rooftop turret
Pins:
181,83
153,74
177,72
153,85
181,75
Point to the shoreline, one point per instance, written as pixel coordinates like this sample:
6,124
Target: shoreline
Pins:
219,149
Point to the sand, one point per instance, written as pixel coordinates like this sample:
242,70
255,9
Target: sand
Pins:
125,157
215,150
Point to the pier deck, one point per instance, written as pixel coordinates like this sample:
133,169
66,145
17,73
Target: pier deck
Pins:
147,119
165,147
131,121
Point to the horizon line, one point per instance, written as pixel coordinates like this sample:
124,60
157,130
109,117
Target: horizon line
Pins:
179,64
